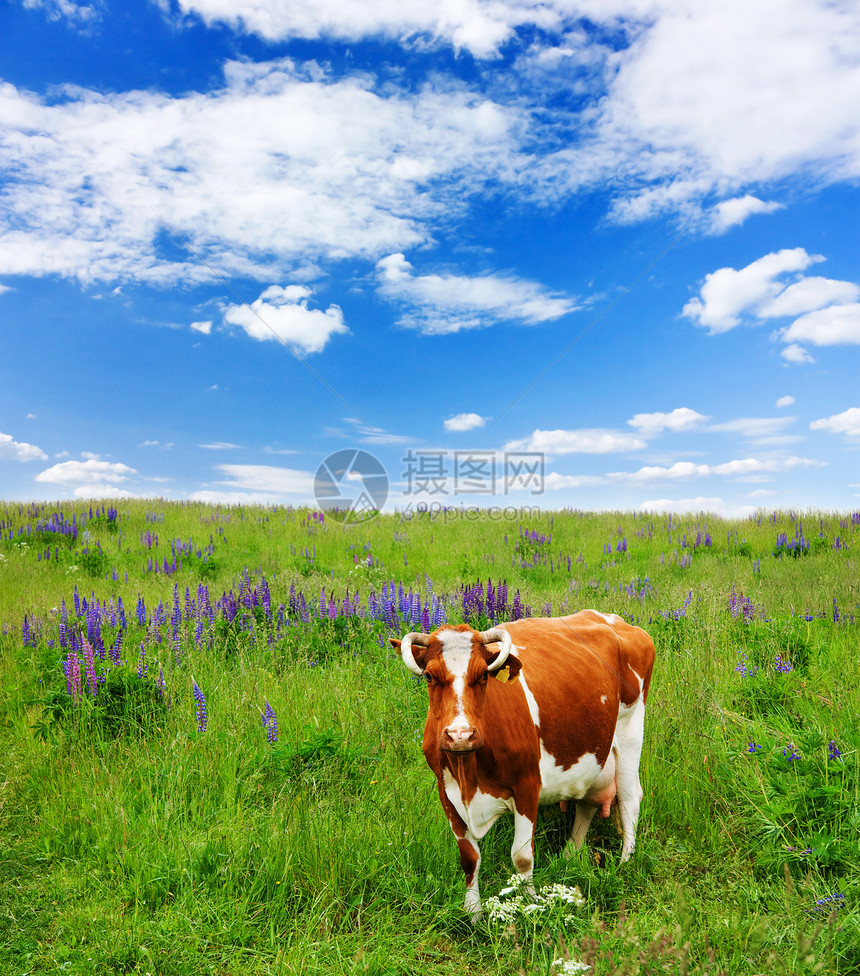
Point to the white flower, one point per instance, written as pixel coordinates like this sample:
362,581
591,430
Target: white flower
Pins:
567,967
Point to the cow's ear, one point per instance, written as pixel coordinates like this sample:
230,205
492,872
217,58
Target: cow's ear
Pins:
509,671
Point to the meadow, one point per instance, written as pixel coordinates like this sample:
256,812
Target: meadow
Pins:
210,757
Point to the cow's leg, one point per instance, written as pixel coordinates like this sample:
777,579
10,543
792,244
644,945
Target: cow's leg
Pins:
523,847
600,797
470,861
629,735
584,815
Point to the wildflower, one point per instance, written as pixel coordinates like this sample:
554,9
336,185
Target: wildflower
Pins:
782,665
202,717
270,723
752,748
828,905
790,752
741,668
833,752
72,669
567,967
90,667
521,898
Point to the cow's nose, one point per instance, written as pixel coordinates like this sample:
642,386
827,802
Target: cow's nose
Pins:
460,738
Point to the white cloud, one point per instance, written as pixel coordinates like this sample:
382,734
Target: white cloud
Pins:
828,311
837,325
680,470
807,295
699,504
682,418
369,434
283,314
555,481
12,450
480,28
786,401
464,421
795,353
92,478
699,99
847,422
281,168
268,480
585,441
759,429
82,15
220,446
741,468
727,293
732,213
443,303
204,327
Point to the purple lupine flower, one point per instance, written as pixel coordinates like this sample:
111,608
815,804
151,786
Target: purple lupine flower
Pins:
115,648
72,669
833,752
752,748
90,667
742,668
831,903
200,709
160,684
790,752
270,723
782,665
141,662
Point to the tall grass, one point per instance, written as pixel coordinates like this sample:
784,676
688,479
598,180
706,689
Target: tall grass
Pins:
133,842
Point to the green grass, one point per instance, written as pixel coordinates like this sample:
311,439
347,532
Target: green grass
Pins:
133,843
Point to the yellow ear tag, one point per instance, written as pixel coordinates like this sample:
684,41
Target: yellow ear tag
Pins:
504,674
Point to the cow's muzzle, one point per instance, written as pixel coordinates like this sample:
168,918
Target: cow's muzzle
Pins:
461,739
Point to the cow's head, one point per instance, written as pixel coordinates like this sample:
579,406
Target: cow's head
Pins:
457,663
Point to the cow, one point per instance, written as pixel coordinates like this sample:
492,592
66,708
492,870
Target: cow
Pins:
537,711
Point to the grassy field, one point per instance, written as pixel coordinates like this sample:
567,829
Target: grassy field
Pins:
211,758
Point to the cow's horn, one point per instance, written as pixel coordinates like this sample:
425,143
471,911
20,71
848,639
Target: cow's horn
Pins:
504,638
421,640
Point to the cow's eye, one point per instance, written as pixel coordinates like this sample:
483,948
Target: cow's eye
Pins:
483,679
428,678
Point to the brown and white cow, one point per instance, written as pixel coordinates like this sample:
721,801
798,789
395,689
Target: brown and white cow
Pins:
532,712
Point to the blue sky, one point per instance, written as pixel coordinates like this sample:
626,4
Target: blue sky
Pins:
598,254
